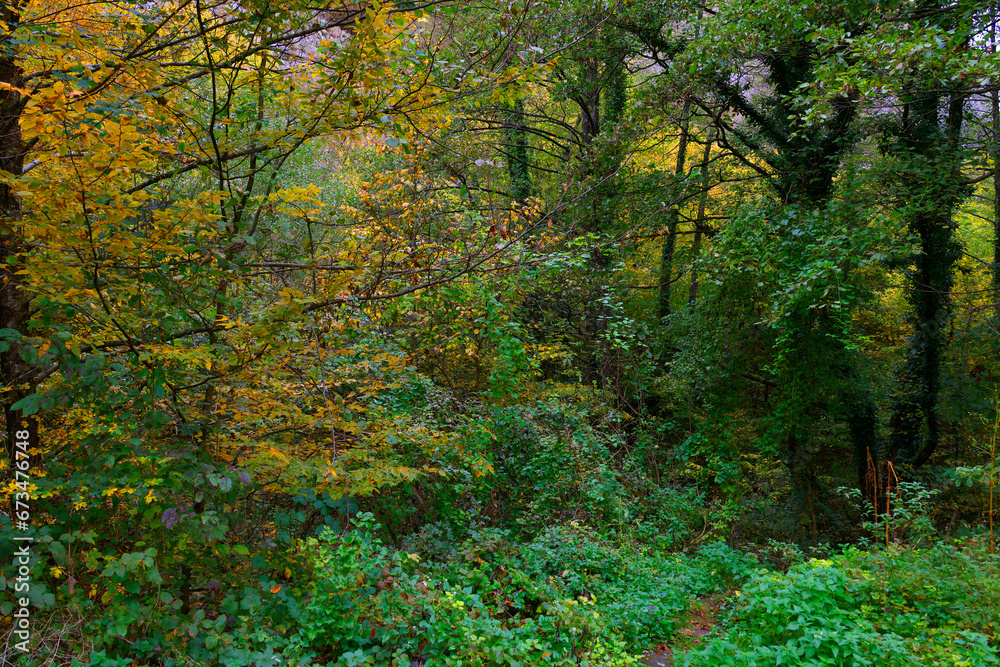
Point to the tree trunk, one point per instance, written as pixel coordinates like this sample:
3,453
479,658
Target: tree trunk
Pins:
934,189
699,224
670,240
995,277
18,375
516,138
667,266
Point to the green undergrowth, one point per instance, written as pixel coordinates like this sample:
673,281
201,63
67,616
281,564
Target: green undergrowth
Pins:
937,606
563,598
567,595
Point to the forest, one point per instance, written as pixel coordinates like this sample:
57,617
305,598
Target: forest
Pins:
586,333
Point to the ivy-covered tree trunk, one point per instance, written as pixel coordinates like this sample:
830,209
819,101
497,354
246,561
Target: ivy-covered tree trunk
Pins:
933,183
516,140
809,163
803,166
17,373
603,160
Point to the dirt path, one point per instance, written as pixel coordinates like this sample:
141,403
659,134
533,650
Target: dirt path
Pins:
698,622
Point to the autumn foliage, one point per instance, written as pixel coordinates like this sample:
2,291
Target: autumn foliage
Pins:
377,333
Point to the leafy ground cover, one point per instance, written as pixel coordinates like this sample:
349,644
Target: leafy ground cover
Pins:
932,606
568,597
563,598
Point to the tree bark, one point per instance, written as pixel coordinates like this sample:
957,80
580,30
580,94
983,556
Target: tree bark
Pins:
699,224
17,374
934,189
670,240
516,138
995,98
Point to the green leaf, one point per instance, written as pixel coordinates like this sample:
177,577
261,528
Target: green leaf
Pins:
28,405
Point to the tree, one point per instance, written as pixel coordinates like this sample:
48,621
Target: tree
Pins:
779,248
182,313
931,161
